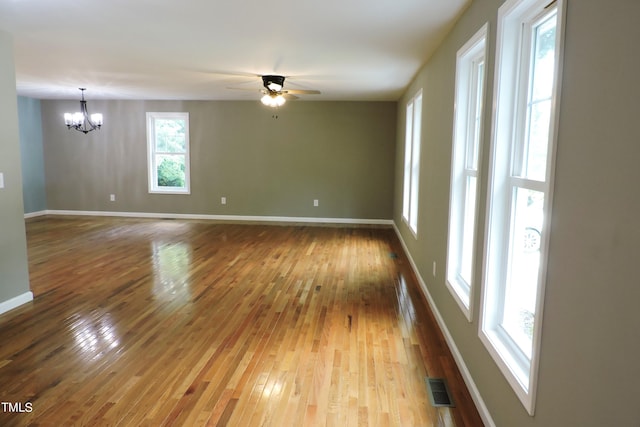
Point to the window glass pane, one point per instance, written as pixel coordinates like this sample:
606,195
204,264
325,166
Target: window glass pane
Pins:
539,102
415,163
171,170
467,125
407,162
476,115
544,57
168,152
529,36
170,136
468,228
524,259
539,120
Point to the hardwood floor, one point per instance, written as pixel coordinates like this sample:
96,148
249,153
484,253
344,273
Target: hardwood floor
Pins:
194,323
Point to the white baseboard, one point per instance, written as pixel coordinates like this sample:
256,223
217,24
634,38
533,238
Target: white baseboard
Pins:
247,218
466,375
34,214
15,302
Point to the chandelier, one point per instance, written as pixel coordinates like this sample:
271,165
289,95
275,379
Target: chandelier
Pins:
81,121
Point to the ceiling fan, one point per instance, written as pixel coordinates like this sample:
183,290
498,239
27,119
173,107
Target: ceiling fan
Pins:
274,94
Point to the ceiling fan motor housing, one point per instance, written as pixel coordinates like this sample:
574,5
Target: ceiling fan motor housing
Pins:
270,80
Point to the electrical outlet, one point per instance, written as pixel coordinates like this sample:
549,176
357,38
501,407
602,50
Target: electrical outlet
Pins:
315,202
1,180
223,200
434,269
112,197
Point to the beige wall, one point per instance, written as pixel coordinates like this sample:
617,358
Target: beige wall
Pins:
340,153
590,348
14,276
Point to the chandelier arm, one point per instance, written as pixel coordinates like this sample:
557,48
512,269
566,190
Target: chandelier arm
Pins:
87,117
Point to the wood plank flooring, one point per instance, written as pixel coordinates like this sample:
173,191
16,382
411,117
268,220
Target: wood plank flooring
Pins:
139,322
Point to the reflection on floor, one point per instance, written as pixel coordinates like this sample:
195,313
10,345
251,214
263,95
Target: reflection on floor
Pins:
152,322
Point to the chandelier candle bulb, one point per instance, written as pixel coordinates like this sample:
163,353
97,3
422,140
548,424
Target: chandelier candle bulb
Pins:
96,118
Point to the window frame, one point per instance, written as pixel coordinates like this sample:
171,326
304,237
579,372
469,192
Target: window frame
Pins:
470,96
411,182
511,94
152,153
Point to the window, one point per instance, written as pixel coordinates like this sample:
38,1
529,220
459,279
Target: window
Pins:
168,151
467,126
520,186
412,162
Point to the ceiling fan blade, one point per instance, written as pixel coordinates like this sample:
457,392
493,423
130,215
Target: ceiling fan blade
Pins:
225,73
289,97
302,91
250,89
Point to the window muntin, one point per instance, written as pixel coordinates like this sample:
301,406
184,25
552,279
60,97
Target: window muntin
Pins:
470,72
412,162
168,152
520,187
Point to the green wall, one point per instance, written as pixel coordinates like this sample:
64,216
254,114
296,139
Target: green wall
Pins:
33,181
588,374
340,153
14,275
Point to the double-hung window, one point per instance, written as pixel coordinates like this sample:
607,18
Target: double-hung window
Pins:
168,152
467,128
412,162
520,186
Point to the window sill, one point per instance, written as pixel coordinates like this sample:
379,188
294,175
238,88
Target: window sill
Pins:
461,295
517,375
184,192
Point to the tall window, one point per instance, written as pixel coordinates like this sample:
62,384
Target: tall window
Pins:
168,151
470,72
412,162
520,186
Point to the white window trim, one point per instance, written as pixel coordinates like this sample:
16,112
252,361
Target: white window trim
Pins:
411,182
473,50
521,373
151,166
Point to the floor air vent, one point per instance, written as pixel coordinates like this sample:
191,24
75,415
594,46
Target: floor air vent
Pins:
439,392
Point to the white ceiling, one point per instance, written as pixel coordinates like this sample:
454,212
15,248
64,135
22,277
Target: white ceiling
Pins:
198,49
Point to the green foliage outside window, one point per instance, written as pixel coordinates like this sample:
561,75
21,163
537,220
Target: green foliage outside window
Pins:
171,172
171,138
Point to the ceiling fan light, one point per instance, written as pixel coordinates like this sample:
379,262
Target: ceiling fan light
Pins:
272,100
267,100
